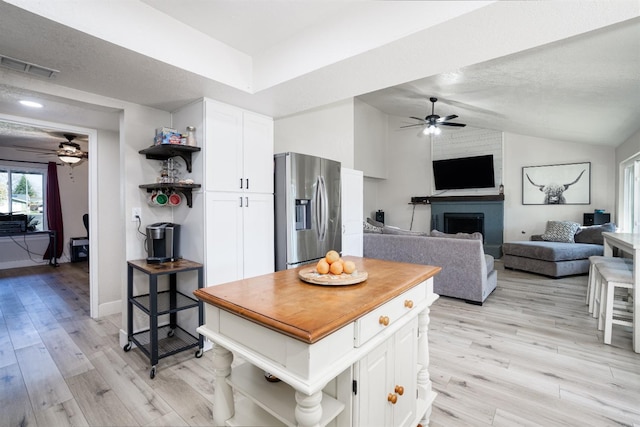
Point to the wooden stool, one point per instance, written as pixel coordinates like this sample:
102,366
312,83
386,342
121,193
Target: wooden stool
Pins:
611,313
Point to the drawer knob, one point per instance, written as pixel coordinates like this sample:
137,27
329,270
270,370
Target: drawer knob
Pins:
384,320
400,390
393,398
408,303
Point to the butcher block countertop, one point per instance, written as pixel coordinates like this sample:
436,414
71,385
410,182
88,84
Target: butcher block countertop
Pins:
283,302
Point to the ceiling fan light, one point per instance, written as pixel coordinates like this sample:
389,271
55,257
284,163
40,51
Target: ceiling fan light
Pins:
437,130
72,160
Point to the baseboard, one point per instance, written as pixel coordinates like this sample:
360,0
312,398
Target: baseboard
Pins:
109,308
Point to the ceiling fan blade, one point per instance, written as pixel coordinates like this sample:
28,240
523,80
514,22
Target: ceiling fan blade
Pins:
410,126
446,118
417,118
460,125
35,150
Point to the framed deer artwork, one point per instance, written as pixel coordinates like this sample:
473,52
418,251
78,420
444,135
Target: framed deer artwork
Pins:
565,184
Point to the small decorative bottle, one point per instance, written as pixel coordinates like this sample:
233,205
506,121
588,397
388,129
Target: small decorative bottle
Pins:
191,136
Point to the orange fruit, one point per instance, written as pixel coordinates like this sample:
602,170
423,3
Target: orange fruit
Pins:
322,267
349,267
336,268
332,256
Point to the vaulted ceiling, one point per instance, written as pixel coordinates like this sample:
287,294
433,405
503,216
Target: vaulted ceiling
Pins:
567,70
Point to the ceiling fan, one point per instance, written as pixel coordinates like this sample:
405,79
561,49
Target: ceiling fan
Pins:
431,124
68,151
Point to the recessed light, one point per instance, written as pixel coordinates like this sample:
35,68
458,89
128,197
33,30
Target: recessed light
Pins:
31,104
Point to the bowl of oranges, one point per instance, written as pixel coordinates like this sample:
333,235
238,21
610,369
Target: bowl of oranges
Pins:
333,271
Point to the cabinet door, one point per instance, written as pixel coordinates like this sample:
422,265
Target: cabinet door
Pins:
223,237
375,375
223,147
258,153
352,207
391,364
405,371
258,234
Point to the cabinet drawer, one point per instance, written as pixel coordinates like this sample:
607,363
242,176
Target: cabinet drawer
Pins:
380,318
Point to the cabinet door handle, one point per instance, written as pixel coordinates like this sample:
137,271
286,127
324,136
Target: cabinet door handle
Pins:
408,303
247,183
241,183
240,201
399,389
393,398
246,199
384,320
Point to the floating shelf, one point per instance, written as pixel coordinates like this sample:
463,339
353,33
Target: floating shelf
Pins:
182,188
165,151
442,199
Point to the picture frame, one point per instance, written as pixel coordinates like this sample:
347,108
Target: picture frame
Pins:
561,184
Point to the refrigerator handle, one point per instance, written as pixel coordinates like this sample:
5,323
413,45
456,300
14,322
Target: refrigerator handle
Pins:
324,209
317,206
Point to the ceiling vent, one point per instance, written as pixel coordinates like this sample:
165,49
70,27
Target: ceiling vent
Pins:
26,67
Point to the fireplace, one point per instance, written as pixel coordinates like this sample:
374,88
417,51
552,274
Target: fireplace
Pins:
471,213
463,222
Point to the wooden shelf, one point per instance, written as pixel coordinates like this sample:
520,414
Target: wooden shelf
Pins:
182,188
165,151
447,199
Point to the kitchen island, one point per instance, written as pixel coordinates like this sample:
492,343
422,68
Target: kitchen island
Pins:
354,355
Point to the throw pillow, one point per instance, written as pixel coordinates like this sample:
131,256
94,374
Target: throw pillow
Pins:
387,229
593,234
369,228
375,223
473,236
560,231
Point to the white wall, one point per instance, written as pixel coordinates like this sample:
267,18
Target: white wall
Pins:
326,132
523,220
370,140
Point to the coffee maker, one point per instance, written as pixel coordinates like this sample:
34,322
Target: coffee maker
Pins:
163,239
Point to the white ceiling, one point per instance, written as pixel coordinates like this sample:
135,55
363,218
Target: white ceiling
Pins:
565,70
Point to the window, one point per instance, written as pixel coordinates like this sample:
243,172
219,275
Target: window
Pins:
22,192
630,219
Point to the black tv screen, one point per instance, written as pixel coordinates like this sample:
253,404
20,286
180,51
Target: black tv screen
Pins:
464,172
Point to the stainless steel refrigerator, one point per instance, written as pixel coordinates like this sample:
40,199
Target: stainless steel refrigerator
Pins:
308,218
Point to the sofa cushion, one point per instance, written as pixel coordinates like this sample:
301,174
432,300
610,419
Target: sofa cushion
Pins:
387,229
593,234
560,231
551,251
473,236
370,228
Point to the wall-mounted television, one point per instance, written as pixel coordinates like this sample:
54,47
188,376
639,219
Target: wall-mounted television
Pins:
464,172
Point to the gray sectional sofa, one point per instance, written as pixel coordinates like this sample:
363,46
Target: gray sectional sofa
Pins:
467,273
545,255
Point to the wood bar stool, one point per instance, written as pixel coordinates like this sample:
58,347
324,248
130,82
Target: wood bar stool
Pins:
610,311
593,289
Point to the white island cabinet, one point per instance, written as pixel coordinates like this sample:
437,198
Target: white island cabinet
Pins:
354,355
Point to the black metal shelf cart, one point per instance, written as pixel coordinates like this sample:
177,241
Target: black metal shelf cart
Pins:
157,341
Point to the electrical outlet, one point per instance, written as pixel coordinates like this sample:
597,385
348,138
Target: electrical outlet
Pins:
135,214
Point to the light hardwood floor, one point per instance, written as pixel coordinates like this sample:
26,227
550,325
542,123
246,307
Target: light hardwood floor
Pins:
530,356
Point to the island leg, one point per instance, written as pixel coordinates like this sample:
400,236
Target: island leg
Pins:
308,409
223,406
426,395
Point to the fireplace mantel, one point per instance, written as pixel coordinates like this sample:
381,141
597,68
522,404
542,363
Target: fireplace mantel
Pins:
449,199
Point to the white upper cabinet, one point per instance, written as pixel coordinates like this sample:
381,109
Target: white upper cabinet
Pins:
239,150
